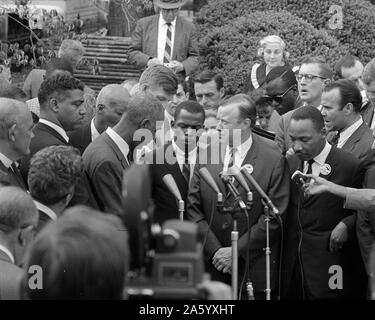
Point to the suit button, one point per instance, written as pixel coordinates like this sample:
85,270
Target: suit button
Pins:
225,225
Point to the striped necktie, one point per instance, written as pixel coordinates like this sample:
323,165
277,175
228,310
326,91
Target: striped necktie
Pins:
168,45
186,168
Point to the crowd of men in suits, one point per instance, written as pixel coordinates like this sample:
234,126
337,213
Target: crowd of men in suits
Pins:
320,237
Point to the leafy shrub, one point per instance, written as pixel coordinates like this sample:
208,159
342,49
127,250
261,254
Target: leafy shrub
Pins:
231,49
358,28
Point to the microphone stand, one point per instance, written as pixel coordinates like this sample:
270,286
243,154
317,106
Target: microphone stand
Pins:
238,202
267,250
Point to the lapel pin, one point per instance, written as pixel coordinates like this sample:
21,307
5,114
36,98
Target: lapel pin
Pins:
249,168
325,169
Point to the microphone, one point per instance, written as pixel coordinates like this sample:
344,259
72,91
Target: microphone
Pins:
172,187
255,184
229,182
299,178
236,173
207,177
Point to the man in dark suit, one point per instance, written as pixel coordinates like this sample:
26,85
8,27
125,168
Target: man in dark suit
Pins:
165,38
61,109
106,158
177,158
236,120
53,173
321,256
16,132
341,103
313,75
110,105
18,219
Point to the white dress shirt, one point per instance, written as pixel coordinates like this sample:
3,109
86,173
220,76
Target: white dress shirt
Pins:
120,143
7,252
239,154
180,156
162,37
48,211
5,160
94,132
319,160
347,133
55,127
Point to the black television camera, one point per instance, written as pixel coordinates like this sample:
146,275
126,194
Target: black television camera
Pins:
166,261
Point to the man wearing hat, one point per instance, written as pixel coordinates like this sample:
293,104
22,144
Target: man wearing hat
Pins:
165,38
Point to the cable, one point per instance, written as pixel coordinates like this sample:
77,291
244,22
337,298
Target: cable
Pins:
209,224
281,253
247,264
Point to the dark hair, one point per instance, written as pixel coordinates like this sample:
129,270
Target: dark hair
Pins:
12,92
349,93
141,106
309,113
191,107
58,64
181,80
58,84
161,76
284,73
246,107
347,61
53,172
324,69
83,255
207,76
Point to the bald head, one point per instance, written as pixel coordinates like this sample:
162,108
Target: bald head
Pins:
17,209
16,126
111,104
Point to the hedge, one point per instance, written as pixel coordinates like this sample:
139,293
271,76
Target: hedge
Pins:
358,18
231,49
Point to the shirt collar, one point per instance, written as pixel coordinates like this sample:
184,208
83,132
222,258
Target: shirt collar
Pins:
180,155
5,160
162,22
48,211
8,253
94,132
55,127
322,156
346,134
244,148
120,143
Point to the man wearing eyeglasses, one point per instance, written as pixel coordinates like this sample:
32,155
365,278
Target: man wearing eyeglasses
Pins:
18,220
165,39
314,74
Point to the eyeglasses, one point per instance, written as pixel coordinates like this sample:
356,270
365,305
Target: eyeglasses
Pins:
308,77
279,98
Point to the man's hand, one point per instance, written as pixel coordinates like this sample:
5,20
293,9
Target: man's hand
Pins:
153,62
339,236
222,260
176,66
317,185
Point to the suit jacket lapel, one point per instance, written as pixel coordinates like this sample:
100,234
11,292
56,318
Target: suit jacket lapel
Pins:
177,39
116,150
155,31
53,132
354,138
86,136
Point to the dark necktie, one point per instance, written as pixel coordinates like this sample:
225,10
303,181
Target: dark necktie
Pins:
13,170
231,159
309,166
335,139
168,45
186,168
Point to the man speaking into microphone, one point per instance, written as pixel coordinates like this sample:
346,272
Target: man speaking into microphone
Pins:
265,163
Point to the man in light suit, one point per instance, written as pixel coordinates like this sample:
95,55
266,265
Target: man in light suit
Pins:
110,105
150,38
368,79
16,125
18,219
341,104
106,158
236,119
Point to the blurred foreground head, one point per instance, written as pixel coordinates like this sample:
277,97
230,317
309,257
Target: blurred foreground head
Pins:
84,255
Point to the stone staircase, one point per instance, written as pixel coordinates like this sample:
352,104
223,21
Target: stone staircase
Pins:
105,62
